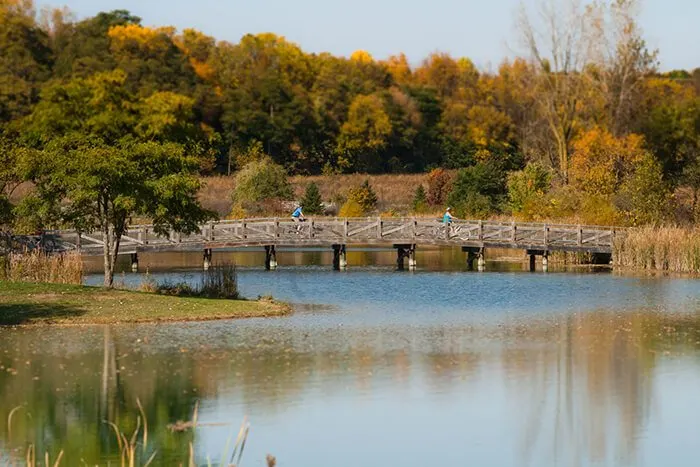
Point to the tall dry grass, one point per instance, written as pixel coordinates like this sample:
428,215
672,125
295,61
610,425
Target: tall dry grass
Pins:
672,249
37,266
219,281
393,191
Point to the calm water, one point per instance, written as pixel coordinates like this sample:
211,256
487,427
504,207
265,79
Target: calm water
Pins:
376,367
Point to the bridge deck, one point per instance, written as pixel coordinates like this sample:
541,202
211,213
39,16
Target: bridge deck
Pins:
326,232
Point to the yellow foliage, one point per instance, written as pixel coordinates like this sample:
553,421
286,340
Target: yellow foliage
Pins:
362,56
399,68
489,127
351,208
237,212
440,71
600,161
368,126
130,35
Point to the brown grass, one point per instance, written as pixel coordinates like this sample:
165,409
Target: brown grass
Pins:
36,266
393,191
672,249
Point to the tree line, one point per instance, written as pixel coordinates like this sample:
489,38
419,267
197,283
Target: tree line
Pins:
120,118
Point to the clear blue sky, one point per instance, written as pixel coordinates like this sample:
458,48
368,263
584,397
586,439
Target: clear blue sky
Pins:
479,29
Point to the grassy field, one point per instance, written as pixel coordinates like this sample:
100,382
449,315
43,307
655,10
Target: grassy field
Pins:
394,191
37,304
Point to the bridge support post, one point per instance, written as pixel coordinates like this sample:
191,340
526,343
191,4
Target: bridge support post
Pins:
412,261
481,261
134,262
406,251
340,260
475,253
533,254
207,258
270,258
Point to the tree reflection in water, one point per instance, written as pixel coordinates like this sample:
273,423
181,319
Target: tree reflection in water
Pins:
579,385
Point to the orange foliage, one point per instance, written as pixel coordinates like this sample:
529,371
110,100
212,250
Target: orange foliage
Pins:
399,68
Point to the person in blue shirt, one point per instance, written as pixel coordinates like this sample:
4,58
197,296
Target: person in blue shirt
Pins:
447,218
298,217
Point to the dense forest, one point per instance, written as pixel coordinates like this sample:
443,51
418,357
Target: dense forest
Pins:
584,122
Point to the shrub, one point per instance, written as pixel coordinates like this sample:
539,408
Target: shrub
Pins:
364,196
439,186
478,190
420,201
351,208
311,201
526,185
219,281
261,180
644,197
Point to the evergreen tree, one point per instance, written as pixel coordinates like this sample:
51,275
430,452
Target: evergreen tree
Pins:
420,200
312,202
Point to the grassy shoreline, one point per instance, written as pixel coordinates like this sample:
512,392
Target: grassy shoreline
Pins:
31,304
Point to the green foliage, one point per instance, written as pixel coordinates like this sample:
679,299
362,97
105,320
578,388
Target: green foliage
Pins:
312,202
420,200
644,197
25,59
478,190
364,196
101,186
261,180
527,185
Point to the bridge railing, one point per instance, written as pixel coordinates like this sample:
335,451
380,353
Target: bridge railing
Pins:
357,230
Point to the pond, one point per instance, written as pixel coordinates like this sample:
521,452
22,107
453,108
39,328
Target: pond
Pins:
378,367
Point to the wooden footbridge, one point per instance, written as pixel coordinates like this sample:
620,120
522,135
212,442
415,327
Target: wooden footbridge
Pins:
403,234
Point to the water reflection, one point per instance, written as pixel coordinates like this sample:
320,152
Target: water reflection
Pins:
430,259
573,389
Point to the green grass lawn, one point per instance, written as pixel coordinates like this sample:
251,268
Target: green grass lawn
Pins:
35,304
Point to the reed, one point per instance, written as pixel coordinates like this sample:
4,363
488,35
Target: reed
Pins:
37,266
673,249
219,281
134,450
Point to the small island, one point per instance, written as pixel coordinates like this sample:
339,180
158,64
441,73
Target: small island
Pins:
61,304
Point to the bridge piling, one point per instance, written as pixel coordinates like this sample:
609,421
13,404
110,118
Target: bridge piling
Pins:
545,261
475,253
406,251
340,261
134,262
270,258
207,258
533,254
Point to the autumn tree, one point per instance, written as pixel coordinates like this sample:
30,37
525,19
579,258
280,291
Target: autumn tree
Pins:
263,81
624,63
601,162
560,52
25,58
83,48
363,135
